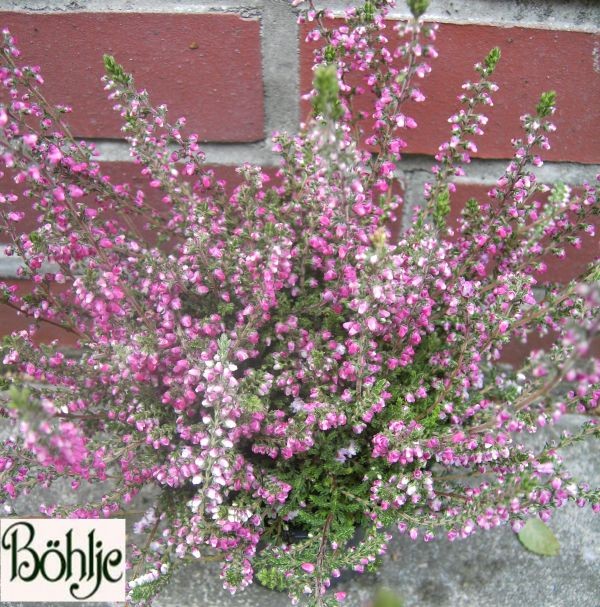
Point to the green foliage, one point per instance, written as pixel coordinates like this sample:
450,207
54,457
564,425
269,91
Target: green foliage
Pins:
329,53
368,11
538,538
472,207
472,214
225,308
417,7
223,343
558,192
252,404
233,574
19,398
406,379
325,486
387,598
431,421
37,240
491,61
326,102
442,208
593,274
115,71
145,592
546,105
272,578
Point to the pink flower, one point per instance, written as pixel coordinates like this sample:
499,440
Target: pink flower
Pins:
59,194
54,155
75,191
30,139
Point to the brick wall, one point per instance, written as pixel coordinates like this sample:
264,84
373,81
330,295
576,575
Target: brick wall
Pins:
237,69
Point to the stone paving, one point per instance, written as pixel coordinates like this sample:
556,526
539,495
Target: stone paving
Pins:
491,569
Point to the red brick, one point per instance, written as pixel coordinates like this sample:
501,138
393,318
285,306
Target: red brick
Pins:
205,66
11,320
128,172
533,60
516,353
119,172
559,270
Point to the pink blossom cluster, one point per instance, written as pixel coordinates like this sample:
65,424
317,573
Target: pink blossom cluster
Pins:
288,381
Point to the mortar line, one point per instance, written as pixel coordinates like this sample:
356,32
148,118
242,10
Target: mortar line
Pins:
476,12
508,13
238,153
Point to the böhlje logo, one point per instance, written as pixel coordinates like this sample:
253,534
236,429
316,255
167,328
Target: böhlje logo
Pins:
62,560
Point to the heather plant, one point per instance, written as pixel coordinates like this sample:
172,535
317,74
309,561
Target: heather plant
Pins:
290,383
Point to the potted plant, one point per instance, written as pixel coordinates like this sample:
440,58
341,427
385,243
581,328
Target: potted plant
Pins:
290,382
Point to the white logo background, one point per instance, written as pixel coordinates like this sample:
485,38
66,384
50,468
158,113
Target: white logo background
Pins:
84,557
